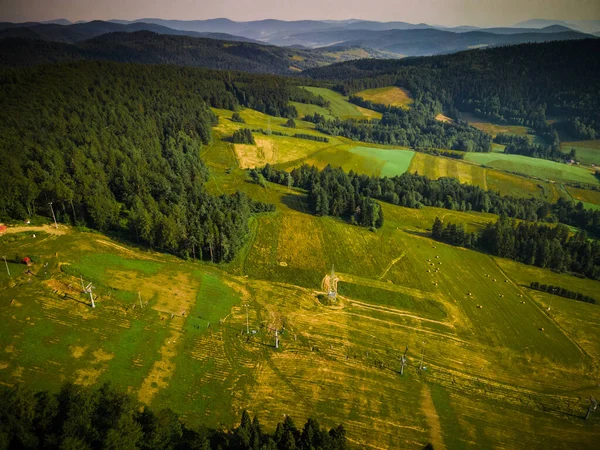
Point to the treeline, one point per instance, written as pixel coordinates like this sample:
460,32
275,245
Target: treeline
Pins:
416,127
331,192
83,418
521,84
545,246
520,145
416,191
441,152
453,233
562,292
115,147
302,95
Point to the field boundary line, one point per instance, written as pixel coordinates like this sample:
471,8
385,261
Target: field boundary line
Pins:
551,319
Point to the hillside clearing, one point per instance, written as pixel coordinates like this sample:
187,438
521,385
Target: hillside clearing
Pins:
389,96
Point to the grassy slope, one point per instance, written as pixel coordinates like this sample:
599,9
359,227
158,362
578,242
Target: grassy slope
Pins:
340,107
336,363
493,129
391,96
534,167
493,378
588,152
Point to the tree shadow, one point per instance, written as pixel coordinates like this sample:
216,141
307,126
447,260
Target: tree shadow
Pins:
296,203
417,233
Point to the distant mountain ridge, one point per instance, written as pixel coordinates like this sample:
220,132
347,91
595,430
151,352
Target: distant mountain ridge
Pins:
79,32
377,39
151,48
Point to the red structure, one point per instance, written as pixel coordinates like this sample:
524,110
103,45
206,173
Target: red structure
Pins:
3,228
27,260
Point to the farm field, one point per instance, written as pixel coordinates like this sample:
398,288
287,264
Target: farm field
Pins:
389,96
493,129
584,195
341,107
336,363
588,152
534,167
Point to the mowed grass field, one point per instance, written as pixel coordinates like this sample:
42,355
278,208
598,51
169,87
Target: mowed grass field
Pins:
493,379
341,107
534,167
493,129
588,152
389,96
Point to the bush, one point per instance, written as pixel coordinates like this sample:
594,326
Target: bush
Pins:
243,136
237,118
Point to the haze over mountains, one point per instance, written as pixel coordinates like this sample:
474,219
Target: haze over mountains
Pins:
258,44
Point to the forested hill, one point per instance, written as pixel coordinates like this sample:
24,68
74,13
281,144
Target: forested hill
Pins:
521,84
116,147
151,48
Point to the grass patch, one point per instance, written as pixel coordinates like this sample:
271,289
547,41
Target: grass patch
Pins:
341,107
534,167
389,96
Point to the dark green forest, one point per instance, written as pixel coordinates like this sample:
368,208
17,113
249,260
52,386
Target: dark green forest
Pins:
415,127
146,47
116,148
524,84
82,418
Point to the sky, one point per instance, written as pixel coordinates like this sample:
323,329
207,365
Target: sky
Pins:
436,12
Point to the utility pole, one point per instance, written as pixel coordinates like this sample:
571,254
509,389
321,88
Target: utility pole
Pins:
140,298
53,216
593,406
89,290
247,323
7,269
276,339
403,361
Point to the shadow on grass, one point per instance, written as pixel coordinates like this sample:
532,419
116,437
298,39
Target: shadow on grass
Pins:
296,203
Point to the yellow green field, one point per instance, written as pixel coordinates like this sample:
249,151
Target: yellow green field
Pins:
493,129
534,167
389,96
584,195
588,152
340,107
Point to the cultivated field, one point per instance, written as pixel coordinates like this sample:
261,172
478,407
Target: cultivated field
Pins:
390,96
493,379
340,107
534,167
494,129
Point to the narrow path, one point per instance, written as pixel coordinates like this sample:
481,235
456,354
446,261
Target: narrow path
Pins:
394,261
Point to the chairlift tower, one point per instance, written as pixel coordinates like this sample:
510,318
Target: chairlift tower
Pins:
332,285
88,289
7,269
403,361
593,406
247,323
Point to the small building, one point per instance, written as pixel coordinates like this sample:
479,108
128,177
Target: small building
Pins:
3,229
27,260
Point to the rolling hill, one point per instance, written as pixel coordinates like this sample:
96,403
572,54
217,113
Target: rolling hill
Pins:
79,32
151,48
421,42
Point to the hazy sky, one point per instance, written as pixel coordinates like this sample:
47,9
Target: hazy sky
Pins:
441,12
